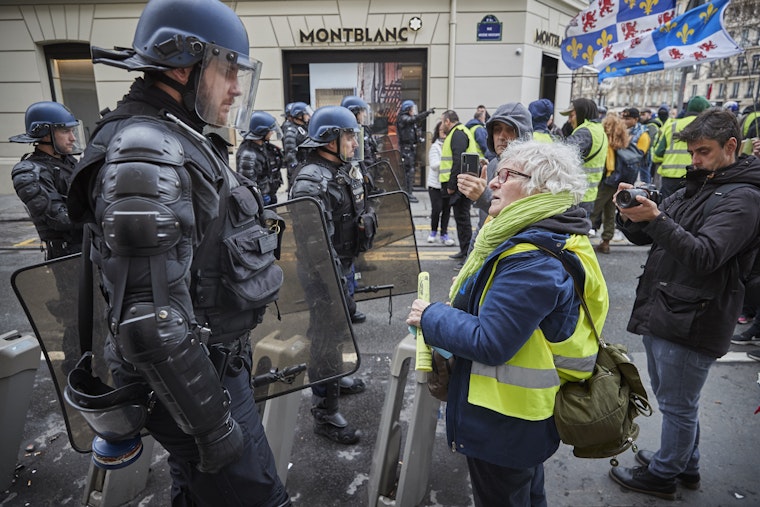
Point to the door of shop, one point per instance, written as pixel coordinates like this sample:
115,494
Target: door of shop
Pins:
383,78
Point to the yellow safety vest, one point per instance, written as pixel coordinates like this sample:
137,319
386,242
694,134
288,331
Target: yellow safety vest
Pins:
594,166
676,156
472,131
526,385
447,157
542,137
746,122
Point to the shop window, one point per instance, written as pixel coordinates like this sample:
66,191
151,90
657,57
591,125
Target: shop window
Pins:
72,81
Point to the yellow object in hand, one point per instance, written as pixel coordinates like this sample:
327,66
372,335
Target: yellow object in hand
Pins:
424,358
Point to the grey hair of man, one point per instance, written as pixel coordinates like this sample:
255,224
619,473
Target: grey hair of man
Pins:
552,167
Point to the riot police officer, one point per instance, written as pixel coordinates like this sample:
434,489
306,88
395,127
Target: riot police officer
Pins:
41,178
362,113
294,133
326,175
161,198
410,134
259,160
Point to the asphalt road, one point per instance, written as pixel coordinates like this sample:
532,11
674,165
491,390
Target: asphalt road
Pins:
322,473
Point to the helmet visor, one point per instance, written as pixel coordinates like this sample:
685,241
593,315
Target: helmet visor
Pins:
227,87
68,139
351,144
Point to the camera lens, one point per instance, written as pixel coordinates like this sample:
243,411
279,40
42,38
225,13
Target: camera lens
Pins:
625,198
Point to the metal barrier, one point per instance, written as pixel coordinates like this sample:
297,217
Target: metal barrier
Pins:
19,359
413,470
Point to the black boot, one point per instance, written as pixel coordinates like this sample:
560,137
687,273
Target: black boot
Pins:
328,421
689,480
639,479
351,385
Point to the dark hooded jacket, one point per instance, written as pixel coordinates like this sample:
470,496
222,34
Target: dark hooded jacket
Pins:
518,117
691,291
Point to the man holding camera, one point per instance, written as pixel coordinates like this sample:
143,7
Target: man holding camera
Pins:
704,237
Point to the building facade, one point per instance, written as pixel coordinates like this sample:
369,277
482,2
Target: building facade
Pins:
443,54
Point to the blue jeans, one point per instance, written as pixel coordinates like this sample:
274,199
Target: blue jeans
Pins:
678,374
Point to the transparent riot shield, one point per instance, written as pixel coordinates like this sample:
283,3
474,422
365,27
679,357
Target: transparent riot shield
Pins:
391,266
382,178
48,293
394,159
306,337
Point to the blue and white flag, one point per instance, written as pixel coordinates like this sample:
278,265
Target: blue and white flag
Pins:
606,22
696,36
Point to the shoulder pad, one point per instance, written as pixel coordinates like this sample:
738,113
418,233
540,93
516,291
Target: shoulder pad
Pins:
26,166
148,142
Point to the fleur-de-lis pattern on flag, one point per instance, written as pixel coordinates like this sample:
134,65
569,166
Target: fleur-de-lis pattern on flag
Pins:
607,22
696,36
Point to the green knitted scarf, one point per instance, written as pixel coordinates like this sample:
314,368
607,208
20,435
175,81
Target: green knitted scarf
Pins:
511,220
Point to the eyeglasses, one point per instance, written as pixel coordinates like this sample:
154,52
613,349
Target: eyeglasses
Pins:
503,175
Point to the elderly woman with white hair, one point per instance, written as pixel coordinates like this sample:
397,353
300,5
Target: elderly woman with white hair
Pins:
515,322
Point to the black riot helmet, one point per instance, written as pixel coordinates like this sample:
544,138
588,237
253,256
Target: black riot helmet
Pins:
188,33
331,123
52,119
262,123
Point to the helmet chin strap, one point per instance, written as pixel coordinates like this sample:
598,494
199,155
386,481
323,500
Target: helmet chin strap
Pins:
335,154
188,91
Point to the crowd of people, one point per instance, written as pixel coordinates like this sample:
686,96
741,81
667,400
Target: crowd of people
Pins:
692,181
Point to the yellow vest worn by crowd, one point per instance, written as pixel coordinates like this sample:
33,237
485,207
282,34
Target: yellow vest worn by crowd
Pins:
526,385
593,165
676,156
447,160
542,137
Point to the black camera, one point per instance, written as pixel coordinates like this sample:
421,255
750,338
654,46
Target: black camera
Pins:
627,198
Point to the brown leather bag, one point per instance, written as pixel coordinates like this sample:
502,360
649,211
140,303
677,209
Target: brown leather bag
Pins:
438,379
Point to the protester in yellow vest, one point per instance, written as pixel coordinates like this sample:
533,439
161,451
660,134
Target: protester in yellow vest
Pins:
515,324
672,154
588,134
541,112
458,140
477,127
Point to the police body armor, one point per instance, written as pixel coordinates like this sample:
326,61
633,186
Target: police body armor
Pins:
351,224
158,186
292,137
253,162
48,209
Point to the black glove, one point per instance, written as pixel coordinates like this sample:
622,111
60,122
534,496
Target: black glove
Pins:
220,447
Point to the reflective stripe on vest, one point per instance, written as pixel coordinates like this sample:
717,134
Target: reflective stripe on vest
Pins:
542,137
676,156
447,161
594,167
526,385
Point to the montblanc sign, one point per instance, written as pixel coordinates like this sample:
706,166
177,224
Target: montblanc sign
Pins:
322,35
547,38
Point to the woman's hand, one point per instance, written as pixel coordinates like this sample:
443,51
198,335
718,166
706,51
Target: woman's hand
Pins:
415,314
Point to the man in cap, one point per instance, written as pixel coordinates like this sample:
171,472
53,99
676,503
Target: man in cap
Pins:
541,112
588,134
639,137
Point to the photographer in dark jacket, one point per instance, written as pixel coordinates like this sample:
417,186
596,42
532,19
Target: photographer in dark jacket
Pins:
703,238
